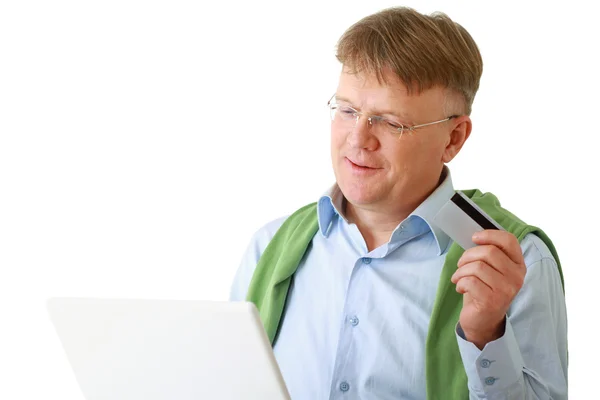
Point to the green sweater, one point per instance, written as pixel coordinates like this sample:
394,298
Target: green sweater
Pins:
445,374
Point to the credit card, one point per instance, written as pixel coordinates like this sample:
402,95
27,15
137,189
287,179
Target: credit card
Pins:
460,218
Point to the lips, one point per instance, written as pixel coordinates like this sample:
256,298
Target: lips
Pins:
361,164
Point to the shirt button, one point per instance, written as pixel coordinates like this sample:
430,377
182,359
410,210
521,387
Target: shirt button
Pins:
366,260
354,320
490,381
344,386
485,363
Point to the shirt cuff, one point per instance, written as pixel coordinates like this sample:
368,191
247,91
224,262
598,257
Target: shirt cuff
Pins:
498,367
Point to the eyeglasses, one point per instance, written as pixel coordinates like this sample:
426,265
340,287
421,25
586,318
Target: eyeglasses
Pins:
348,116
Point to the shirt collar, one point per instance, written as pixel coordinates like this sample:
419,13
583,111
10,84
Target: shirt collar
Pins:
432,204
331,203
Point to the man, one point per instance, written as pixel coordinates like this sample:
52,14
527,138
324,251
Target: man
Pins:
354,291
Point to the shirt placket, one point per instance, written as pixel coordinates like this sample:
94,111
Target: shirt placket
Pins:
344,383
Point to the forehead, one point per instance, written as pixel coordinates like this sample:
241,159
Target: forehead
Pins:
389,95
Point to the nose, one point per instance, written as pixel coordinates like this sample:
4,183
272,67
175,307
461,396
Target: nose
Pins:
360,136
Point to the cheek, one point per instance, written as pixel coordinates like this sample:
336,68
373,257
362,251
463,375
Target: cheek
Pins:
408,156
401,154
338,139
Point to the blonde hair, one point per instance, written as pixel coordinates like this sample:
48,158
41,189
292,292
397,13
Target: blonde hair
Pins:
423,51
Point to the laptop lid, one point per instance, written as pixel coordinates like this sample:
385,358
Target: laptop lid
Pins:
167,349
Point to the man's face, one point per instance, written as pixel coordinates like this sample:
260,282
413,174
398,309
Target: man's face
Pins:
374,167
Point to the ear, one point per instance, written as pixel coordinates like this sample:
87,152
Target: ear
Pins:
457,138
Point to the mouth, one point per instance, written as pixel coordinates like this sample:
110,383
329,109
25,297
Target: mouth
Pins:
360,168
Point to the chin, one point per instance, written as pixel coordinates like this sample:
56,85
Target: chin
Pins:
358,192
357,188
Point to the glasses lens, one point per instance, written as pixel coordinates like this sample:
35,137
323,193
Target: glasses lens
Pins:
332,111
341,113
384,125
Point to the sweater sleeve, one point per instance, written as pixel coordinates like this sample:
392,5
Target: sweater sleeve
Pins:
258,243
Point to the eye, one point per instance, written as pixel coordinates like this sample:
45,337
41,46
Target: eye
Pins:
346,110
394,125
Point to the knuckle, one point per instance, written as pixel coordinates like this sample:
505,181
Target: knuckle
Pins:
512,291
496,252
518,287
480,266
469,280
523,269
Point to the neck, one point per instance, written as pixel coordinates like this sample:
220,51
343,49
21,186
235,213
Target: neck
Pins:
376,223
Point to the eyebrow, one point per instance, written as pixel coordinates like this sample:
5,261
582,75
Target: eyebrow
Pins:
403,116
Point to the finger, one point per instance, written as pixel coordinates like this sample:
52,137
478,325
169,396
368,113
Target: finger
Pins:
482,271
474,286
505,241
489,254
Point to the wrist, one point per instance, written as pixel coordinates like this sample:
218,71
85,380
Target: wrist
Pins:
481,337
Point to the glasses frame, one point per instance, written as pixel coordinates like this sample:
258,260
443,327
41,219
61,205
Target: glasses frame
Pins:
332,104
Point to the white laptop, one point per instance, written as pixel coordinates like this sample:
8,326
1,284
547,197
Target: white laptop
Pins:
167,349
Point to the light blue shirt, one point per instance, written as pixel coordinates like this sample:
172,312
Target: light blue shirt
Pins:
356,321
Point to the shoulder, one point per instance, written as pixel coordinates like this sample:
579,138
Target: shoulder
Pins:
261,237
543,274
258,242
535,250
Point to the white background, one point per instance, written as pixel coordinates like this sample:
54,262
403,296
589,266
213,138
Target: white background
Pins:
143,142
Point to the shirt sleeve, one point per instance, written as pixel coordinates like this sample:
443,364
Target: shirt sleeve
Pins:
258,243
530,360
